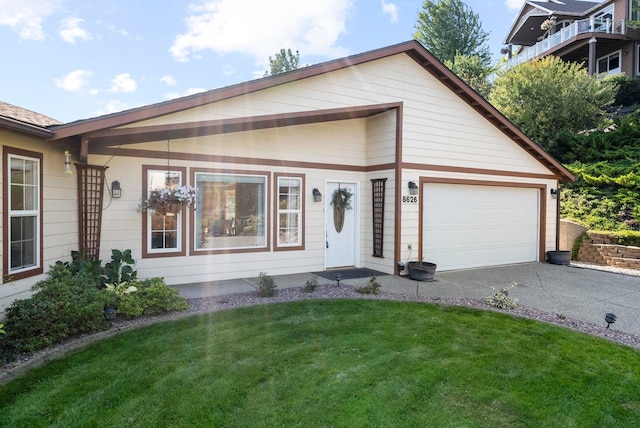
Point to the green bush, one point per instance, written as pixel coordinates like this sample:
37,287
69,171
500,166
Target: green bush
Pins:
311,284
501,299
62,306
152,296
373,287
266,285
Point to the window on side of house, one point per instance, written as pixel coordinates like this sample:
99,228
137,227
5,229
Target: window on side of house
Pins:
164,232
634,10
23,213
289,212
232,211
609,64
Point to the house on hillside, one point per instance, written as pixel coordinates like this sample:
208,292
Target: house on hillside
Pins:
600,35
266,158
39,201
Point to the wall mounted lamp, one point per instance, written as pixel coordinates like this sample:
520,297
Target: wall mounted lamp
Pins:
317,196
67,162
116,191
554,193
413,188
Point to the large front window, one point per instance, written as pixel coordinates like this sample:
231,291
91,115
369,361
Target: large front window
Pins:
23,213
231,211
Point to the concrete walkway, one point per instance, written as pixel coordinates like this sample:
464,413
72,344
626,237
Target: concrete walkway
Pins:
579,293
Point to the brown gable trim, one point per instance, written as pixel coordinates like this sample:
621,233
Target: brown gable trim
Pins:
172,106
176,131
482,106
237,160
479,171
412,48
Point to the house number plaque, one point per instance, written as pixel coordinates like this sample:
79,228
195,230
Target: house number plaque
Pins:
409,199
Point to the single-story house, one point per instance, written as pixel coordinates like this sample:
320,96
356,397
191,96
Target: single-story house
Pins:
267,156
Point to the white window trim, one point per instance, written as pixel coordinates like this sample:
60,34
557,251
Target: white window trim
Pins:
150,214
615,70
288,211
25,213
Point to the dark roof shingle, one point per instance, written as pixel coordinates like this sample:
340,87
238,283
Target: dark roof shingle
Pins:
27,116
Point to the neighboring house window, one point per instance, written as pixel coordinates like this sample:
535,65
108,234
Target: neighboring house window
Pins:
604,19
232,211
164,232
609,64
634,10
23,213
378,192
289,215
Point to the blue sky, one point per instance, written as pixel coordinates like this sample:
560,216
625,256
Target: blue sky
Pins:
75,59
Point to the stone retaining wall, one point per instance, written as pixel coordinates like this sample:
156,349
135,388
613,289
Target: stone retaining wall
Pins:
601,249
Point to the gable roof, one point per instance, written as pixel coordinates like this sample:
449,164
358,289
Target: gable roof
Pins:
27,121
101,127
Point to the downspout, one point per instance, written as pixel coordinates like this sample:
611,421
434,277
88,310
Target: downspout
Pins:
592,56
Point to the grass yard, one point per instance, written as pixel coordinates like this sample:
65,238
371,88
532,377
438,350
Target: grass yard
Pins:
340,363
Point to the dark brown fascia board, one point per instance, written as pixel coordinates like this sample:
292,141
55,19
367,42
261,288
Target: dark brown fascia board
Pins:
172,106
412,48
477,102
120,136
25,128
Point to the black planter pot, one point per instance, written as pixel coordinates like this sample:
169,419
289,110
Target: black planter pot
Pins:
559,257
422,271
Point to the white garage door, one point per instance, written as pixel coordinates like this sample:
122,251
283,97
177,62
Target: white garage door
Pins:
466,226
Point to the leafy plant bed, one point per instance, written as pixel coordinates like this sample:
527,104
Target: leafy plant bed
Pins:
314,362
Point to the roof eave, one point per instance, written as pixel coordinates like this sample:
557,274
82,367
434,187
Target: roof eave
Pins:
25,128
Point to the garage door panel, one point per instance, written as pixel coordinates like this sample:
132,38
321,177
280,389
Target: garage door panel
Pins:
467,226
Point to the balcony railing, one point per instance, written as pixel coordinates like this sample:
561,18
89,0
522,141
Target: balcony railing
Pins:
591,25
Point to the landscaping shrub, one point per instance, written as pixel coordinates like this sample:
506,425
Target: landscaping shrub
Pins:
311,284
151,296
62,306
501,299
266,285
373,287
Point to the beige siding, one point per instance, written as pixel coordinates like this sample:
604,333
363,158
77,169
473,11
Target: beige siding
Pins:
438,129
60,225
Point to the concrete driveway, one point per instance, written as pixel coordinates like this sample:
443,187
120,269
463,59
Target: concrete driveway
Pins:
576,292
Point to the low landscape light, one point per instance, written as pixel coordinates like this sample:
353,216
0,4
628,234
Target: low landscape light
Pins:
610,318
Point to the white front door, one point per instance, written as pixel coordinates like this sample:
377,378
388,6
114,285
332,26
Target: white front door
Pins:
340,246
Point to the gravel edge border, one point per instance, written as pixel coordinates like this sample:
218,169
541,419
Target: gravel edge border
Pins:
206,305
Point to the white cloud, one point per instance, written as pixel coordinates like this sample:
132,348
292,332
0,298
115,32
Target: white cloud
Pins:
262,28
514,4
74,81
26,16
190,91
112,106
390,9
168,80
70,30
123,83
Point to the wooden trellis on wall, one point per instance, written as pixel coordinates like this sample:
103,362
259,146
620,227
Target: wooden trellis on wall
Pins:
90,196
378,215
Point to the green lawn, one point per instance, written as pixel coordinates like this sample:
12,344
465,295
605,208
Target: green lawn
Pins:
342,363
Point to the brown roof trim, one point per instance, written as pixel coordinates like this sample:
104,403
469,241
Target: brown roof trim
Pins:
412,48
25,128
143,134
